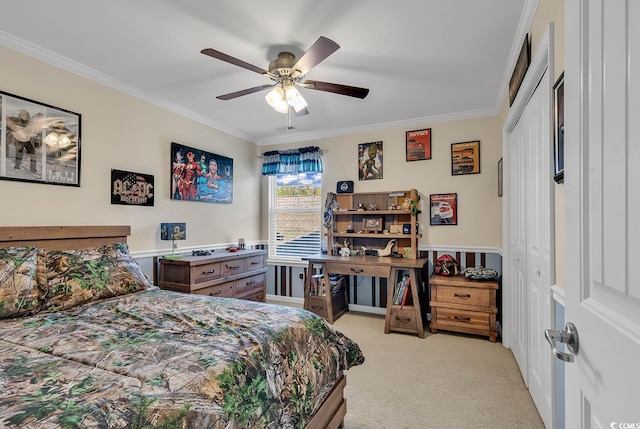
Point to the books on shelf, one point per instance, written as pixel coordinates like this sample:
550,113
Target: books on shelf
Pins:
318,284
402,292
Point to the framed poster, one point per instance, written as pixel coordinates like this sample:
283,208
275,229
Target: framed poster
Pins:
520,69
131,189
465,158
198,175
40,143
558,152
370,161
444,209
418,145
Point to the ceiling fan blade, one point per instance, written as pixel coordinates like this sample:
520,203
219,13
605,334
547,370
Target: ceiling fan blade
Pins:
302,112
351,91
320,50
231,60
237,94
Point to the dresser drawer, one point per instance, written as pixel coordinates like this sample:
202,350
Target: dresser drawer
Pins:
402,318
258,296
223,290
359,270
249,285
207,272
463,295
232,267
254,263
462,318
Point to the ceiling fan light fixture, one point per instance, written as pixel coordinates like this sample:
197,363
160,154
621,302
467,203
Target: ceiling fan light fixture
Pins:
275,97
295,99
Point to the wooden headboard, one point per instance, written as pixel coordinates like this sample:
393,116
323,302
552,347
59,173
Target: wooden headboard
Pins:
62,237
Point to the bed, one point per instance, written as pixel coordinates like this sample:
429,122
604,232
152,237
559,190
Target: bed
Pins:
87,342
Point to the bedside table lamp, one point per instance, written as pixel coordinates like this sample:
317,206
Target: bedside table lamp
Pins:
173,232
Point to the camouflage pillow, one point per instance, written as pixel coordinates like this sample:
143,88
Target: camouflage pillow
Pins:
18,284
78,276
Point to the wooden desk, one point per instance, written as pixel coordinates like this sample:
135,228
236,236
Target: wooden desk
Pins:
400,318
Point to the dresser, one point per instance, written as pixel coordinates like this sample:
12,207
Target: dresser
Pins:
463,305
238,274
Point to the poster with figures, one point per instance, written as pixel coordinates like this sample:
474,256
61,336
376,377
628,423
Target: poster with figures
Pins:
198,175
370,161
39,143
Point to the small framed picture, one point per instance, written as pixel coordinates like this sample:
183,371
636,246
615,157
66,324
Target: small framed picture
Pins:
418,145
372,224
558,153
465,158
444,209
500,177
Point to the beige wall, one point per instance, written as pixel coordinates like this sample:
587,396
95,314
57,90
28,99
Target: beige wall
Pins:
479,215
122,132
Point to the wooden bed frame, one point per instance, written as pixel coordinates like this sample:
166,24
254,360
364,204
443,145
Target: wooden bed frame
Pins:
331,413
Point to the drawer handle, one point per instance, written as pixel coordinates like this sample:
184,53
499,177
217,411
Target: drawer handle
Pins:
255,263
357,270
209,272
233,267
218,292
403,319
316,307
463,296
462,319
252,282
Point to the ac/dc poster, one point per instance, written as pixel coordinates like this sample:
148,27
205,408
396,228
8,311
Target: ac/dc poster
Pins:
131,189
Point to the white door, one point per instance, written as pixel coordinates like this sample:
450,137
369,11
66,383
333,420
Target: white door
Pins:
530,243
602,225
538,265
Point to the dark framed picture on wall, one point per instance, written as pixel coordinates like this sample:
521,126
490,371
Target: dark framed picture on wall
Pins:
42,142
418,144
558,158
444,209
500,174
465,158
132,189
198,175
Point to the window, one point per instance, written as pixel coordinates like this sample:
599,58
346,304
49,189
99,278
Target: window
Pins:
295,215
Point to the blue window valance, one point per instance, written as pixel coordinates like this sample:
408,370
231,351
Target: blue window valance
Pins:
292,161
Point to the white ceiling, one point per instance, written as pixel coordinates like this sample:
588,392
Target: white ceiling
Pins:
423,60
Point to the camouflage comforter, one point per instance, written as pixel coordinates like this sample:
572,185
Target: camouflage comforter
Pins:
168,360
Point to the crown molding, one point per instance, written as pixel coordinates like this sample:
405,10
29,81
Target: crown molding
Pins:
39,53
526,20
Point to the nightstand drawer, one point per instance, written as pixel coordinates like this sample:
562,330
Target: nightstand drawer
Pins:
462,318
249,285
207,272
232,267
223,290
463,295
403,318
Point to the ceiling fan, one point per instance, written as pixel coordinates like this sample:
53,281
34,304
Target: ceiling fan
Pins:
286,73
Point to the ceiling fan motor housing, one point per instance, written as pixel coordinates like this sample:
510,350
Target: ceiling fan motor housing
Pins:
281,66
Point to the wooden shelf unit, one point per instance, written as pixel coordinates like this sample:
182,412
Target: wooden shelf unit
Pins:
348,215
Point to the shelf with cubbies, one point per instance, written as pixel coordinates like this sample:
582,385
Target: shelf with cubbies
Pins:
386,216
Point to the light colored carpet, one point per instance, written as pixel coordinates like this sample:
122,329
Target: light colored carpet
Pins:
446,380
